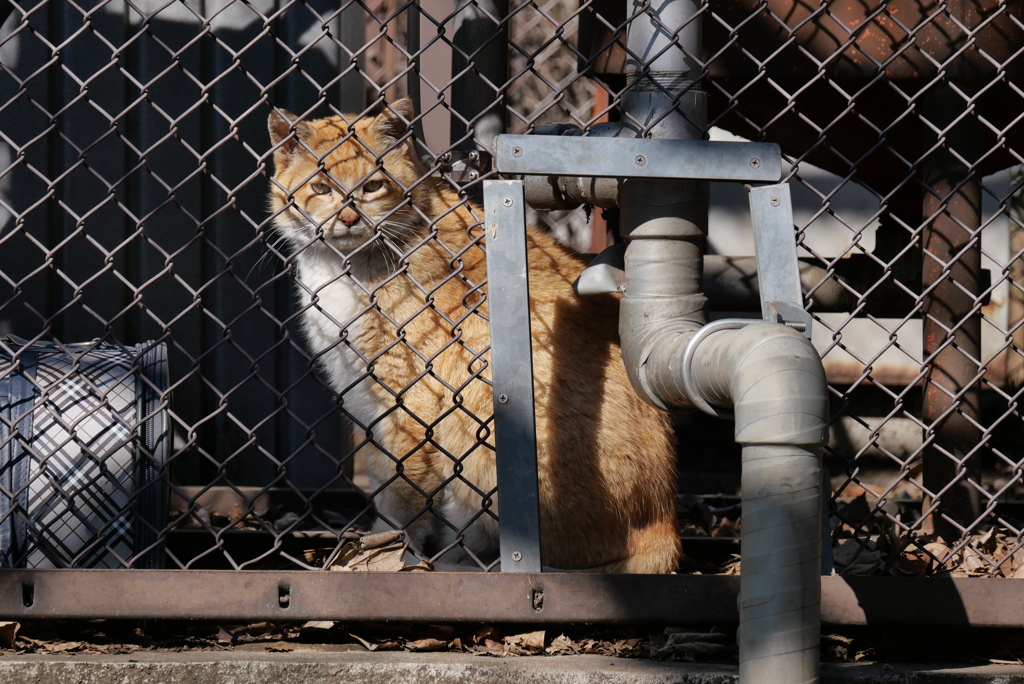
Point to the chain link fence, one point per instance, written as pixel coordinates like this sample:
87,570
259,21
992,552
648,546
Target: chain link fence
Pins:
134,170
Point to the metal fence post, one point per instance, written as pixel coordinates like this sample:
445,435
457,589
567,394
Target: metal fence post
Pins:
515,435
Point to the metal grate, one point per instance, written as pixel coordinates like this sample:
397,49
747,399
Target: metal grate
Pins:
134,166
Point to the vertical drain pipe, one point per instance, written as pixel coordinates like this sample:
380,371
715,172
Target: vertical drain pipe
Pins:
768,372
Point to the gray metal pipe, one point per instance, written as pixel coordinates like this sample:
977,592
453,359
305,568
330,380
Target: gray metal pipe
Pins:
774,379
769,373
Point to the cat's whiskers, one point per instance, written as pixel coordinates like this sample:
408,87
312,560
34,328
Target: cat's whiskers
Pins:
272,247
400,231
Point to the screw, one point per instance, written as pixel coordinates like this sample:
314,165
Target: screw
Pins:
517,151
755,163
472,175
507,201
445,158
775,201
502,398
474,156
516,556
640,160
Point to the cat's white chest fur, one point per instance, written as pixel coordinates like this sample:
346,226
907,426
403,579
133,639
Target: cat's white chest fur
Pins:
332,303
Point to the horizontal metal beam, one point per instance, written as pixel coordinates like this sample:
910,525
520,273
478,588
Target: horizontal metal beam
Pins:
638,158
305,595
497,597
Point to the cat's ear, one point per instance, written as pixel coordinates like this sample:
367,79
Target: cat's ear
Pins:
393,122
280,124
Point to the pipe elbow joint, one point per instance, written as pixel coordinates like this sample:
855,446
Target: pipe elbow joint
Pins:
653,333
778,387
653,364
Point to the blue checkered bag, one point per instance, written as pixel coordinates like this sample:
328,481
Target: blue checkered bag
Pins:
83,442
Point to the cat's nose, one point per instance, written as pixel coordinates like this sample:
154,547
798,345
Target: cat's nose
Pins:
348,217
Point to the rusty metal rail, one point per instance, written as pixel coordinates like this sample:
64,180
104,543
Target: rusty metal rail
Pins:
133,174
457,597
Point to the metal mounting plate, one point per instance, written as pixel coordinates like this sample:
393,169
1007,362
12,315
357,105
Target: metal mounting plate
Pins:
515,435
638,158
778,273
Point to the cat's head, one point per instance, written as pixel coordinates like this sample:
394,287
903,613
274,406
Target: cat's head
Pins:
348,185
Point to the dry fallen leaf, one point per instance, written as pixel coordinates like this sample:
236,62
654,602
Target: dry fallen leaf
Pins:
381,552
426,645
625,647
314,626
913,564
732,566
422,566
370,646
256,629
525,643
8,633
561,645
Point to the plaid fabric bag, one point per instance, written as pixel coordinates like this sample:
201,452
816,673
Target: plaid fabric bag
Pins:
83,441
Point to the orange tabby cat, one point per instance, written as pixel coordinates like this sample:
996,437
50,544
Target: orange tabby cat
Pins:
386,271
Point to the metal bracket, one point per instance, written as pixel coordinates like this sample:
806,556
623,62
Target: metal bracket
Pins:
638,158
515,434
508,284
605,274
462,166
778,273
760,164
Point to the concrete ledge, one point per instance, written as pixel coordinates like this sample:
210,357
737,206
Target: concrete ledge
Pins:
334,667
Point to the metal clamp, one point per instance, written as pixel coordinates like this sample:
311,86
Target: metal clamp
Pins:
464,167
686,372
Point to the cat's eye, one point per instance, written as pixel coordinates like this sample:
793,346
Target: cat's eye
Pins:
320,188
372,186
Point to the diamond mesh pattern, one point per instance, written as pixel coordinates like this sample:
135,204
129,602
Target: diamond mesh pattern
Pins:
134,166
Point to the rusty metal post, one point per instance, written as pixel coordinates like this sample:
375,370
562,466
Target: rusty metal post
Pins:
951,283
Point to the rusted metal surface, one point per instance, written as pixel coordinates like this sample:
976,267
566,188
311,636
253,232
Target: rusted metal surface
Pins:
469,597
855,70
902,39
951,284
297,595
116,226
922,601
